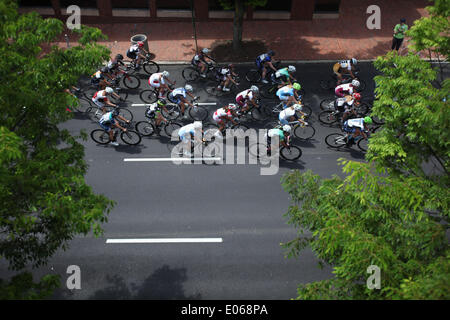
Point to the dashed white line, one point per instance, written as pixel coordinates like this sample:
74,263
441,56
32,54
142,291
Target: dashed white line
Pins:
170,159
167,240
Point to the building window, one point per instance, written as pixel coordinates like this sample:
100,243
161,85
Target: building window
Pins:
279,5
130,8
80,3
173,4
326,6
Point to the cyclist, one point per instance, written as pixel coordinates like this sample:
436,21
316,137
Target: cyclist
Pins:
100,98
158,81
263,62
113,64
98,79
187,132
344,66
201,61
289,94
222,115
346,88
283,133
153,112
290,114
179,95
134,53
225,75
284,75
108,122
247,98
356,127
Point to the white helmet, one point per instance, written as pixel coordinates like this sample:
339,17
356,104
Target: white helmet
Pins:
254,89
189,88
287,128
355,83
165,74
205,50
232,106
298,107
197,124
291,69
109,90
354,61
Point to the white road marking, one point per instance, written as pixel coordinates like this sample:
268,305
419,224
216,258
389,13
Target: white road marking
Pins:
170,159
167,240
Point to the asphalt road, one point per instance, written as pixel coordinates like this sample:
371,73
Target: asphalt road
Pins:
165,200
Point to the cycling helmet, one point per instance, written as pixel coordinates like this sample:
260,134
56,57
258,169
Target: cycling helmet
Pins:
119,57
115,112
197,124
104,70
109,90
188,88
291,69
297,86
271,53
162,102
357,96
254,89
231,106
140,44
355,83
205,50
298,107
368,120
287,128
354,61
402,20
165,74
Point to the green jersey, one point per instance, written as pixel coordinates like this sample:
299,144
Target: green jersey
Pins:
399,31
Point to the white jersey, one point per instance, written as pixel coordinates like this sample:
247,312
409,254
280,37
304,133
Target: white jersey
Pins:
134,48
345,64
356,123
246,94
221,113
179,92
156,79
106,118
346,87
99,96
187,129
286,113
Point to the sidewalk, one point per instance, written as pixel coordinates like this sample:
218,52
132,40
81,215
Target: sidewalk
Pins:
319,39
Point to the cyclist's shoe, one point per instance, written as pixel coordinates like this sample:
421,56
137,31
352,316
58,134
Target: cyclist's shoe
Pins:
114,143
219,87
202,75
264,81
226,89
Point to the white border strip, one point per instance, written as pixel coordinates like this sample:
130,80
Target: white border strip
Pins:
169,159
166,240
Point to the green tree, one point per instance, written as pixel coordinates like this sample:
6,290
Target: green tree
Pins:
45,200
239,11
392,211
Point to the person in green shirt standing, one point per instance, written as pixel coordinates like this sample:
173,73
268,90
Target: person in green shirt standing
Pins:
399,34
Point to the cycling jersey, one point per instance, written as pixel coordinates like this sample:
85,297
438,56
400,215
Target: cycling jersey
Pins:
99,98
284,72
344,89
156,80
217,116
178,93
152,110
343,105
96,77
261,59
285,92
244,95
351,125
276,132
133,51
186,130
345,64
197,58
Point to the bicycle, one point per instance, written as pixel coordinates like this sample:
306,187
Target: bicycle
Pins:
150,67
151,95
95,112
273,109
331,84
255,75
256,113
212,127
198,113
79,106
338,140
269,91
92,89
331,116
212,87
301,131
128,80
130,137
147,128
289,153
192,73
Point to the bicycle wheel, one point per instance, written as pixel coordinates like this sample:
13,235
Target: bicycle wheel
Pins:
272,125
260,114
131,82
82,105
327,104
122,94
362,109
94,113
362,85
268,91
198,113
151,67
363,144
100,136
306,110
190,74
292,153
304,133
145,128
172,127
335,140
253,76
328,117
89,92
240,126
130,137
124,112
149,96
